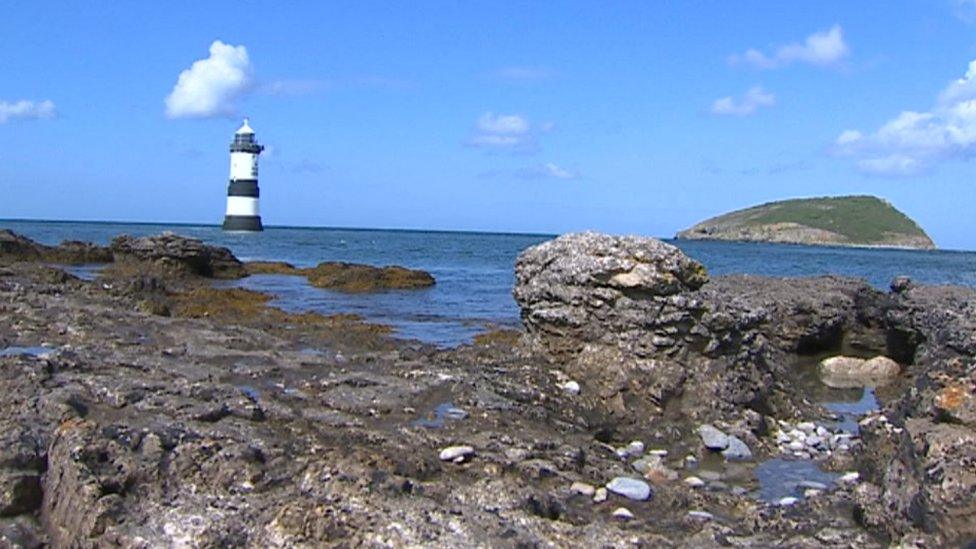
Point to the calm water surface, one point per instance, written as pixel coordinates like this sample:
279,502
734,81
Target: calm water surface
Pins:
474,271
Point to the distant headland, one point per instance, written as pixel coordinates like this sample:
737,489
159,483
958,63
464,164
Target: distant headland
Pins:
835,221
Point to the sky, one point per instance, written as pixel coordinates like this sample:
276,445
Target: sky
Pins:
624,117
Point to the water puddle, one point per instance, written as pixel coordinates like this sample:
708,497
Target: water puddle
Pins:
785,477
88,271
849,413
250,392
780,478
444,412
39,352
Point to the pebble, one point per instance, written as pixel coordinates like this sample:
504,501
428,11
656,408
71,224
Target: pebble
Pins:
630,488
710,475
571,387
694,482
813,485
712,438
658,453
691,462
795,446
782,437
821,431
700,515
808,427
787,501
850,477
622,513
814,441
810,493
635,448
600,495
457,454
736,450
582,488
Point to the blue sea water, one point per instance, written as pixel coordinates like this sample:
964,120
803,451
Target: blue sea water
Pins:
474,271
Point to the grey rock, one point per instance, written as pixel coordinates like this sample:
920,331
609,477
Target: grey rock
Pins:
456,453
630,488
737,450
712,438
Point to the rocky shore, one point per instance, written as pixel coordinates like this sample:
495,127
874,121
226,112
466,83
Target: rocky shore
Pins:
645,403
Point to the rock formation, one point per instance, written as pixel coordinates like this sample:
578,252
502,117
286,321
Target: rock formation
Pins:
178,254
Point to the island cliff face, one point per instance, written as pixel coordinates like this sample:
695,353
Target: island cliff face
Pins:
836,221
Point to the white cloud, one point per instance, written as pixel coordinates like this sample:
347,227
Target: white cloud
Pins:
551,170
26,110
748,104
824,48
505,132
912,142
211,86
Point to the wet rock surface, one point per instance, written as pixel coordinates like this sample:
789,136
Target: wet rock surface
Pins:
216,425
349,277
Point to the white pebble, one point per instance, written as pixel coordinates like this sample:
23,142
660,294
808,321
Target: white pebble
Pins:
700,515
571,387
622,513
850,477
582,488
787,501
600,495
694,482
456,453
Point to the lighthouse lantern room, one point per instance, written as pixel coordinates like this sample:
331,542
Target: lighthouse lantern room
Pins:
243,192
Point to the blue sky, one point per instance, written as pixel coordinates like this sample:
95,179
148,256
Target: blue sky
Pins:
547,117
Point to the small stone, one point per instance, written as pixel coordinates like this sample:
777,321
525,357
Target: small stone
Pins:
712,438
796,446
658,452
736,450
630,488
797,434
710,475
691,462
786,501
850,477
807,427
811,493
812,484
582,488
635,448
718,486
694,482
456,453
782,437
571,387
822,432
814,441
600,495
700,515
739,491
622,513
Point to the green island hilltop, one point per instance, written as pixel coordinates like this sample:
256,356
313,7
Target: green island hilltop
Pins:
833,221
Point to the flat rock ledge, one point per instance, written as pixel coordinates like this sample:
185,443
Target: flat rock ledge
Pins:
349,277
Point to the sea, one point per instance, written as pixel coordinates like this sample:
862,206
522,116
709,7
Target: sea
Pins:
475,271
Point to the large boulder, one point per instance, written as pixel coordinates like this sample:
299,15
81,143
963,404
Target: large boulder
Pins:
178,255
847,371
16,247
624,315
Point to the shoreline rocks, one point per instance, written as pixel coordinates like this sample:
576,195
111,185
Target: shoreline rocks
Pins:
349,277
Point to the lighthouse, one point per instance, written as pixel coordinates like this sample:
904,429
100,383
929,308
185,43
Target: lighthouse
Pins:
243,193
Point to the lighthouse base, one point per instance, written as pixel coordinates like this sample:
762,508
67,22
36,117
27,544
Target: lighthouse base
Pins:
243,223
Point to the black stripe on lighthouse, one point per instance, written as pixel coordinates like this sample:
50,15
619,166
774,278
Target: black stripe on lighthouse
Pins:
243,223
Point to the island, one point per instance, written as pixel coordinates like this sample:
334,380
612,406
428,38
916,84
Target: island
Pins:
833,221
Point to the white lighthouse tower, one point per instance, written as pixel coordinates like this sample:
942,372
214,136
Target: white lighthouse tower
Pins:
243,192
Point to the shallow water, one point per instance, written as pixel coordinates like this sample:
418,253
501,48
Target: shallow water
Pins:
474,271
40,352
780,478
